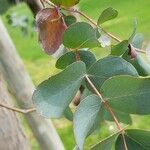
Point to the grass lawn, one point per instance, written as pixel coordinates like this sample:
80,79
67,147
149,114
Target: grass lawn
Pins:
40,66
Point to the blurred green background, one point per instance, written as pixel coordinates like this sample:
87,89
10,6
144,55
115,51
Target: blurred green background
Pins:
40,66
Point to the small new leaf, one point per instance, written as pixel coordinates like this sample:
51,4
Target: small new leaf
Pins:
107,14
138,40
139,63
54,95
134,31
69,20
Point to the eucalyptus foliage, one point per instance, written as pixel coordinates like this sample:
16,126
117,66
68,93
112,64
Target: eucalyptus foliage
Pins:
111,88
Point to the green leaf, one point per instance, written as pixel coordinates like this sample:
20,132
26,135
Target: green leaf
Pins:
128,94
98,33
65,3
76,148
54,95
121,116
131,144
108,67
86,56
137,41
120,48
141,136
80,35
134,31
107,14
69,20
86,118
106,144
139,63
135,140
68,114
85,93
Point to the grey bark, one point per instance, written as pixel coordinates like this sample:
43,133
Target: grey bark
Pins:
34,5
11,135
22,87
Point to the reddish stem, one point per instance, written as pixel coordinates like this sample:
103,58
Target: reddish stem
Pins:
108,108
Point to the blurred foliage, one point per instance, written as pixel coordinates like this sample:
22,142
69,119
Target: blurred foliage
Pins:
23,22
4,5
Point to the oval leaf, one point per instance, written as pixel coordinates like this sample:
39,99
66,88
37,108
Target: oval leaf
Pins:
139,63
65,3
141,136
134,31
108,67
106,144
135,140
86,56
128,94
69,20
121,116
68,114
120,48
50,28
80,35
138,40
107,14
131,144
54,95
86,118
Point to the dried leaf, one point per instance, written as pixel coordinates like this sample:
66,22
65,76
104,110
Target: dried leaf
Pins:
51,27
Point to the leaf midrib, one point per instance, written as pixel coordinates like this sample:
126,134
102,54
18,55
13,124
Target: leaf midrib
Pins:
122,96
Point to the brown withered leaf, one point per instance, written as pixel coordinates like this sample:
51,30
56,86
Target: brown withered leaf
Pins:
51,27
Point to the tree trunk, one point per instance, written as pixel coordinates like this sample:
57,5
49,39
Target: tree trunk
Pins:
22,87
11,135
34,5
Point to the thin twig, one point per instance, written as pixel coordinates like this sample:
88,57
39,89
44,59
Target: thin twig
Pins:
104,102
140,50
23,111
92,22
49,3
77,54
42,3
92,85
109,109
